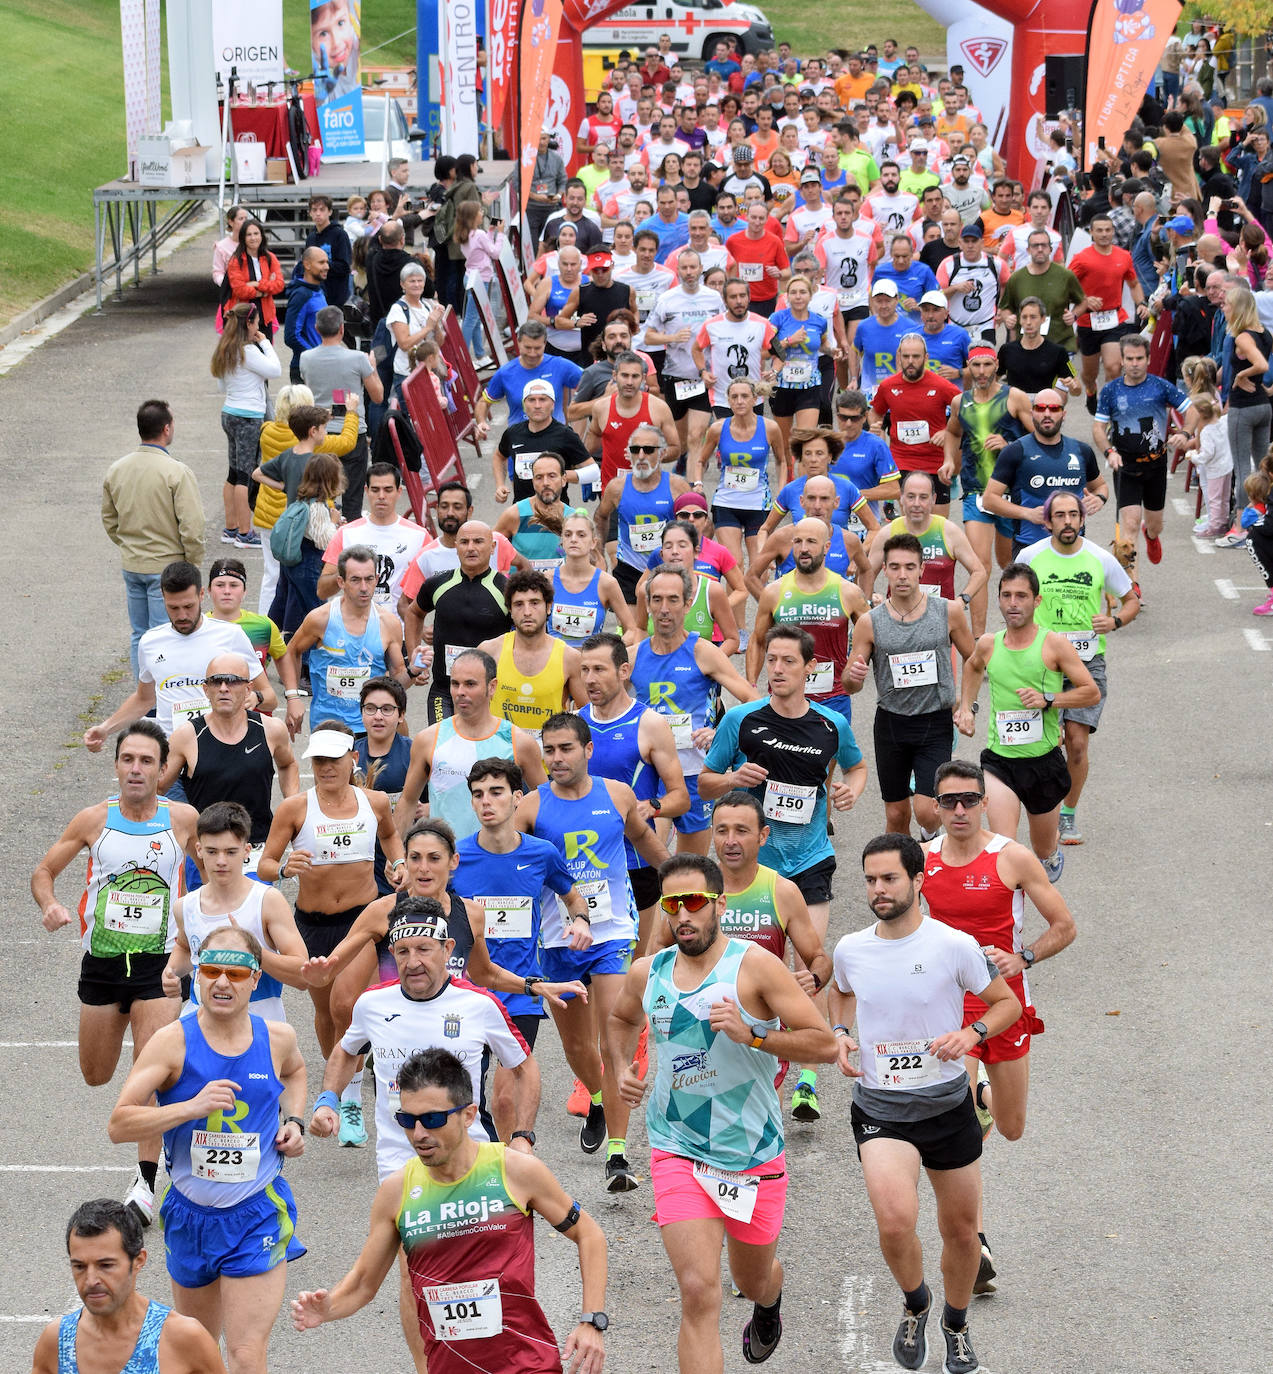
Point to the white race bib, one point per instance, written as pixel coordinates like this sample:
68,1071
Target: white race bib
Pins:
645,538
1019,727
187,708
912,432
225,1156
450,653
797,373
740,479
914,670
1104,319
573,622
345,683
820,678
134,913
1045,326
1085,643
336,840
547,566
751,271
848,299
901,1064
734,1194
524,465
784,801
646,300
465,1311
682,724
252,859
506,918
684,390
597,895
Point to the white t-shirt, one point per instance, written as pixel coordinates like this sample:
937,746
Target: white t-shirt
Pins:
677,309
395,546
734,349
177,665
415,317
909,992
466,1020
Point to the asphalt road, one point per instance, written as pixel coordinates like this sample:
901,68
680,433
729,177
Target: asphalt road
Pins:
1129,1225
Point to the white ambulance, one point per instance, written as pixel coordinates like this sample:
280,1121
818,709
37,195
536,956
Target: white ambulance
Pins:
695,27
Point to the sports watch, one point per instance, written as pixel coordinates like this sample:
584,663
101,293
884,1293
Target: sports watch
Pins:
527,1136
597,1319
982,1032
1028,956
758,1034
1048,699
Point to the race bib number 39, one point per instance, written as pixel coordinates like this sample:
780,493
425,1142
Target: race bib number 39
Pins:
1085,642
466,1311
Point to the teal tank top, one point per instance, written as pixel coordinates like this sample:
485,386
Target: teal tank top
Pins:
145,1356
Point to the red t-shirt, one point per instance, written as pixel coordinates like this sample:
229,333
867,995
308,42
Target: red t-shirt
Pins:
917,413
752,257
1103,275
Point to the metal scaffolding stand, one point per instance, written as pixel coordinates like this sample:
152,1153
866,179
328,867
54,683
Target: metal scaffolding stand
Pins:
123,211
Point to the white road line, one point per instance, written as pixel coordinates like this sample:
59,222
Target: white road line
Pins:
41,1045
68,1168
1226,589
856,1344
1182,505
1256,640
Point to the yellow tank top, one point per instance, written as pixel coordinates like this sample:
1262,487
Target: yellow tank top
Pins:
529,701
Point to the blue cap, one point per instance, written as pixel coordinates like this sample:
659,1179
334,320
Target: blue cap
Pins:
1182,224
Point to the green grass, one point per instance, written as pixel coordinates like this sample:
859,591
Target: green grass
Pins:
64,127
813,26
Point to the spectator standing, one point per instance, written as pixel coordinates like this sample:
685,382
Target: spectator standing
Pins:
333,240
304,301
152,510
243,364
253,274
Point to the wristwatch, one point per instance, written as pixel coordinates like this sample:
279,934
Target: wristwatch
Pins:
1118,622
597,1319
527,1136
758,1035
656,805
300,1125
1028,956
528,983
965,598
1048,699
982,1032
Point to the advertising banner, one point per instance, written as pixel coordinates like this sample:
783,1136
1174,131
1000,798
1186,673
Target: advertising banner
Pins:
503,52
1125,44
537,49
248,35
457,43
335,30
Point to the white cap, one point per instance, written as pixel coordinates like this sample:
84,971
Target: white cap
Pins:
539,387
919,146
884,288
328,744
934,298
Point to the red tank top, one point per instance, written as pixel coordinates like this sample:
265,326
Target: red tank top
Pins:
614,439
973,898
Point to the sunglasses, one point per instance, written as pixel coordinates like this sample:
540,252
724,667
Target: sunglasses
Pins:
236,973
691,901
852,419
643,448
948,801
224,680
693,514
1048,410
431,1121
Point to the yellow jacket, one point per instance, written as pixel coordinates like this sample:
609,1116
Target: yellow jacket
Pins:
275,438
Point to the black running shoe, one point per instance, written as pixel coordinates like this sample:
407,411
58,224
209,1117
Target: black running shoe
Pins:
619,1175
592,1134
1091,403
985,1271
755,1349
961,1358
910,1344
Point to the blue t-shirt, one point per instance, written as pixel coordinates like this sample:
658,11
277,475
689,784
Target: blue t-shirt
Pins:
391,777
1031,472
671,236
510,885
815,327
513,378
917,278
848,498
797,753
878,343
866,462
949,346
1136,416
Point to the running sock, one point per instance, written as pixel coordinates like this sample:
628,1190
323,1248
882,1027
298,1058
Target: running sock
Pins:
596,1099
1067,810
918,1300
765,1320
353,1090
808,1078
149,1171
955,1317
616,1145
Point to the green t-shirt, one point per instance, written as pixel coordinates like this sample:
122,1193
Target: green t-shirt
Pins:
1017,731
1057,288
860,166
916,182
1073,587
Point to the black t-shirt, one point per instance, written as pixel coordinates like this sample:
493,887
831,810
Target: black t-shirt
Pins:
932,255
1033,369
600,301
555,438
466,610
702,196
800,752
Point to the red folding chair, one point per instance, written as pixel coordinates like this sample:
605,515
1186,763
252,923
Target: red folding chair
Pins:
466,388
433,426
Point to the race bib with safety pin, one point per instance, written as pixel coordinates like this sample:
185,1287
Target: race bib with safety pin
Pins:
573,622
450,653
225,1156
914,670
785,801
751,271
465,1311
506,918
187,708
912,432
734,1194
346,682
597,895
336,840
1085,643
684,390
645,301
820,678
524,466
901,1064
848,299
798,373
1019,727
1104,319
135,913
740,479
682,724
645,538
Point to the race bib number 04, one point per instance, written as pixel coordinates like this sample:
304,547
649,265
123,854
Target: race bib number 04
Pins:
734,1194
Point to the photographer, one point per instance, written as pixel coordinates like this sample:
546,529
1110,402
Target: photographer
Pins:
547,182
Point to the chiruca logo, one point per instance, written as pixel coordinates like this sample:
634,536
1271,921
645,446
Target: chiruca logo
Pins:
983,53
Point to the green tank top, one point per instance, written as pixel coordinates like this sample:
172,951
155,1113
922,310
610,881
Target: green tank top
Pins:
1073,587
1017,731
752,914
713,1100
698,618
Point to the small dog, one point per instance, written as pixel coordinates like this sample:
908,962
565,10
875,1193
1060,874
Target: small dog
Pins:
1125,552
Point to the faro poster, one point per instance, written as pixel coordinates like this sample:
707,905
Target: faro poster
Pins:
335,28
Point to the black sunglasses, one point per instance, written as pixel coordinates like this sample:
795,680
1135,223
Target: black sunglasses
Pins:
643,448
431,1121
948,801
224,680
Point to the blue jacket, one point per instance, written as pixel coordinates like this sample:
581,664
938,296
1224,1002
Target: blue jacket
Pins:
1143,257
304,301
